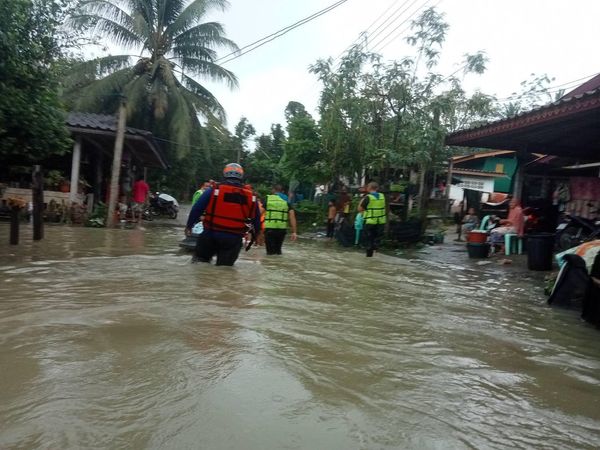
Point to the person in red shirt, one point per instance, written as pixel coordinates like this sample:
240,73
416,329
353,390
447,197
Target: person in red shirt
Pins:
139,196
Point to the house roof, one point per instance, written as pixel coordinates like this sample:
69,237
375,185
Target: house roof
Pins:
590,85
479,155
100,130
567,127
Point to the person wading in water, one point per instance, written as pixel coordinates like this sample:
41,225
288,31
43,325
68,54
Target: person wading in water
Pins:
372,206
230,210
277,212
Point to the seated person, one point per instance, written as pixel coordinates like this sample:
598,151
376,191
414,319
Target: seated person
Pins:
515,224
470,221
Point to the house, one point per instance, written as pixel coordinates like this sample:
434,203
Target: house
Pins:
87,167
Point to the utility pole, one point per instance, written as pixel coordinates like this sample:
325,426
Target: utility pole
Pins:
116,165
37,198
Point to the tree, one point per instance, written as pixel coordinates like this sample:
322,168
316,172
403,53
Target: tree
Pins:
302,159
534,93
32,120
174,45
244,130
262,166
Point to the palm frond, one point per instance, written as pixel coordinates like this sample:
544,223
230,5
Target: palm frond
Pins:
102,95
168,11
102,66
105,8
118,33
194,51
210,70
145,10
202,99
136,92
182,122
191,15
209,34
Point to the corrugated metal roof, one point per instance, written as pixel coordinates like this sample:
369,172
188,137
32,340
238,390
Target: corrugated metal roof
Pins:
87,123
101,122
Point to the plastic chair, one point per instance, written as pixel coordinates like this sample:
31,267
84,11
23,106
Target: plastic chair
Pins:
509,242
485,223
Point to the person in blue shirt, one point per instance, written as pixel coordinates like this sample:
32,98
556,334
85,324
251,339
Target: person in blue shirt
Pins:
229,209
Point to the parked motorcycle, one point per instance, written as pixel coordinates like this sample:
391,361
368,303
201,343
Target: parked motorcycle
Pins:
575,230
161,204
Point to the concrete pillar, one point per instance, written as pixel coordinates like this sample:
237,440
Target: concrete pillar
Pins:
75,163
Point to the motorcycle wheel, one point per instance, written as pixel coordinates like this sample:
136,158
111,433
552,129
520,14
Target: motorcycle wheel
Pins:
173,214
147,215
569,238
154,212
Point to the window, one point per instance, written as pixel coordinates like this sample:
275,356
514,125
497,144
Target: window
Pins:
472,184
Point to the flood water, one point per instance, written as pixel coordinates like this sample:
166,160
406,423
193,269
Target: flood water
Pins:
112,339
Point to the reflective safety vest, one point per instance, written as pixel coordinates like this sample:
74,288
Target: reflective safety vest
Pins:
375,212
230,209
276,214
197,196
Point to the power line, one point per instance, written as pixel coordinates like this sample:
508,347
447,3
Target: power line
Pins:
271,37
374,33
394,17
380,49
424,4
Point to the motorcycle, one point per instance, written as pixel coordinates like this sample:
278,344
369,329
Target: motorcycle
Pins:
575,230
161,204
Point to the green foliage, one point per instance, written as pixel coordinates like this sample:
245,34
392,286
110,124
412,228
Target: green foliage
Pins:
302,158
263,165
32,120
98,217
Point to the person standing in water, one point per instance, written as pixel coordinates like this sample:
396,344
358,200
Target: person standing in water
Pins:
277,213
229,209
331,213
372,207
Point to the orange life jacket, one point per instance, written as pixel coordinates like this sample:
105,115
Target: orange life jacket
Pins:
230,208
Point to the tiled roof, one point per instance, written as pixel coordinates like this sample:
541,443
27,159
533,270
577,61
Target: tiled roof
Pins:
99,122
551,111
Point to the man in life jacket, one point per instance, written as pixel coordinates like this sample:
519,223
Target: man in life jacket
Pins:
277,213
372,206
230,210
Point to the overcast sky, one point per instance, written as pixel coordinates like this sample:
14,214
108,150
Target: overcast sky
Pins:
520,37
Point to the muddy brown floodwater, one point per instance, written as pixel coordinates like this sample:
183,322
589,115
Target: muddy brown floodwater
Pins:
112,339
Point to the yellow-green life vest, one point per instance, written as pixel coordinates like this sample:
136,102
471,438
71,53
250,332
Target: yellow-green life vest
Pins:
375,212
276,215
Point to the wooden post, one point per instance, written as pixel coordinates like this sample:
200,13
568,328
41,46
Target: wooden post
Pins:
14,225
448,186
75,164
37,198
98,177
116,165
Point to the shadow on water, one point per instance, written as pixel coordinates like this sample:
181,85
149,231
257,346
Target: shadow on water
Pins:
113,339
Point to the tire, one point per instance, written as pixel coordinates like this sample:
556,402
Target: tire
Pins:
173,214
147,215
569,238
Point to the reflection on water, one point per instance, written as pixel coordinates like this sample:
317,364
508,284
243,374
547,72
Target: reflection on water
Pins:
114,340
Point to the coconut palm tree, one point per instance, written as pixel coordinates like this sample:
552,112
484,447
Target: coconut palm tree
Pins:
174,47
